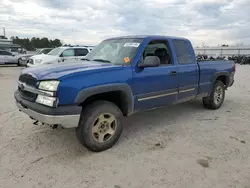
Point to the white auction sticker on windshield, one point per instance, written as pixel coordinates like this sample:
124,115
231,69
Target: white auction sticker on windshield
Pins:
131,45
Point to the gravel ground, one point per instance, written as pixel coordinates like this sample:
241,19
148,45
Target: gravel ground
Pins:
182,146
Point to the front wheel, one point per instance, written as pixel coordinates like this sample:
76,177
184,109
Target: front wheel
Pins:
216,99
100,126
19,63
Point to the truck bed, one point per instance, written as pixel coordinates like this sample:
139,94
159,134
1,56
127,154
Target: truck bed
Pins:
208,69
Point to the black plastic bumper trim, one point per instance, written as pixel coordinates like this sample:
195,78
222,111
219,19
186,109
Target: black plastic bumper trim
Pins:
60,110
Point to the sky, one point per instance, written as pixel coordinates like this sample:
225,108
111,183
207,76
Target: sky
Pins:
88,22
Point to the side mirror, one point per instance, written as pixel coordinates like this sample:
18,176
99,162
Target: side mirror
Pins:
13,54
150,61
60,59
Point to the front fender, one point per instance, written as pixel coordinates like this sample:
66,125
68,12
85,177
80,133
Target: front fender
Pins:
124,88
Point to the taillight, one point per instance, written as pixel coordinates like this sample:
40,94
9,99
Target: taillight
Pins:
234,67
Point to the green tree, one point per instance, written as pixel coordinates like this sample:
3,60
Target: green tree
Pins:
34,42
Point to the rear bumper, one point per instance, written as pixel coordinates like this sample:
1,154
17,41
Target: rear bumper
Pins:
67,117
231,83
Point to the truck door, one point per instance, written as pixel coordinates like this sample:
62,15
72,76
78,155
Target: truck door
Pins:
188,70
155,86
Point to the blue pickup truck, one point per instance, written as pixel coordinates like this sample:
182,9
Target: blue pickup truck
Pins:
119,77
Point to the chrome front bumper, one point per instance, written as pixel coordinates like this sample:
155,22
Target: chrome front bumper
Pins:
66,121
30,65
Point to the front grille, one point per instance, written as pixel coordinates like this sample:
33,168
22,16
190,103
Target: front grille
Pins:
31,61
31,81
27,95
28,79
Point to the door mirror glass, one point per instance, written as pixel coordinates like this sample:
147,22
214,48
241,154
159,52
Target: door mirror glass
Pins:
150,61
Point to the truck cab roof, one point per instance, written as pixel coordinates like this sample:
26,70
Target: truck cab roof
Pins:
151,37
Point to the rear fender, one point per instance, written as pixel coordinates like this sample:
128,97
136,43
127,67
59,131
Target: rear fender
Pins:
218,74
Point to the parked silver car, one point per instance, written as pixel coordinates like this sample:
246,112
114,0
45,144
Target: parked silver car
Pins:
8,58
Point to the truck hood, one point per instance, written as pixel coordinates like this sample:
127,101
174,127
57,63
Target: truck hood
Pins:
57,71
45,58
25,55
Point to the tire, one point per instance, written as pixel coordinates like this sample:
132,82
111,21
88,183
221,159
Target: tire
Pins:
19,62
215,100
97,121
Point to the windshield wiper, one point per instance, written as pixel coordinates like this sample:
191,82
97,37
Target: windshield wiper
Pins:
85,59
102,60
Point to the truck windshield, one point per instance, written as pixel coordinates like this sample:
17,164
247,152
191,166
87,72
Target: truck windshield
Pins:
55,51
116,51
44,51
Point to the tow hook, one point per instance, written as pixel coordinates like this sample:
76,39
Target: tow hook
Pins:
35,123
54,126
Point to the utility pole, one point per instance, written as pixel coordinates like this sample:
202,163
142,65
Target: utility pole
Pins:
3,31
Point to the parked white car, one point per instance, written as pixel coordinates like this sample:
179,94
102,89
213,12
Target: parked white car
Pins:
24,58
60,54
8,58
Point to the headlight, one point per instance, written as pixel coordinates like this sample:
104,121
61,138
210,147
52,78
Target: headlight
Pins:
49,85
38,60
48,101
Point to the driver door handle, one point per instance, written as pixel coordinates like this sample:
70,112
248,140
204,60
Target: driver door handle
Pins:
173,73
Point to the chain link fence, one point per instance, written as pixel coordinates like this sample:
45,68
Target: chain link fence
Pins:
223,51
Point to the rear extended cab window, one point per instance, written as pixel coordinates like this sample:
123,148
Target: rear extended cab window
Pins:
81,52
183,52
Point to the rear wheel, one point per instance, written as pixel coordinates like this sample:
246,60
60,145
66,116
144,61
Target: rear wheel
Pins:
216,99
100,126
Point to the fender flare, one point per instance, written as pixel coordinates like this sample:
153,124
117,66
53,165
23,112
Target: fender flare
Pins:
217,74
124,88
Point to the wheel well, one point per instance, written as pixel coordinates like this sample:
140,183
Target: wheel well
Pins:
223,79
117,97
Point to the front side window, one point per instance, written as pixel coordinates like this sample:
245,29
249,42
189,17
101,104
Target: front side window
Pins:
68,53
116,51
159,48
183,52
6,53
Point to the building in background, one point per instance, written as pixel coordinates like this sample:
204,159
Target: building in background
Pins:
7,44
223,51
